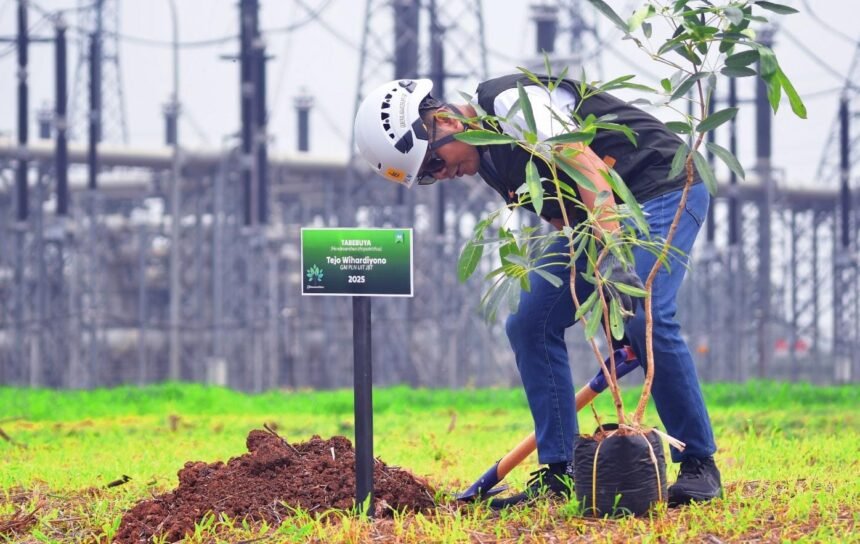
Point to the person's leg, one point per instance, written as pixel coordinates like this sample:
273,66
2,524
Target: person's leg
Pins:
536,332
676,390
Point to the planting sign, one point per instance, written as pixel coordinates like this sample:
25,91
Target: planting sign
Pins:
360,262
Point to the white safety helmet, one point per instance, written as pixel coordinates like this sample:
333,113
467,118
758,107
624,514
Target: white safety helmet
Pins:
389,131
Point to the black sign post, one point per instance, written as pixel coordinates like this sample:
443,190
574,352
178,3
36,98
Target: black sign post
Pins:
363,393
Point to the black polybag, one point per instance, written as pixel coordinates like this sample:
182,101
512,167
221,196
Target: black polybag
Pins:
625,467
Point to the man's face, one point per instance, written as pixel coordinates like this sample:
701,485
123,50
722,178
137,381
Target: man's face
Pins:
449,158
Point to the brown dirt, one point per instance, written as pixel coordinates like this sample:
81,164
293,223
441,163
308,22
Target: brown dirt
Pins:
266,482
18,523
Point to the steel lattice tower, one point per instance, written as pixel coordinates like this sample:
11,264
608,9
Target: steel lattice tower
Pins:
838,162
100,18
828,166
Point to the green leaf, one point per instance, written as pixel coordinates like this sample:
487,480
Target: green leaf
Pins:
624,129
534,185
687,84
646,29
794,99
515,109
494,296
774,91
578,177
666,84
671,45
691,56
593,322
616,321
768,64
716,119
526,105
620,188
741,71
776,8
726,156
678,161
679,127
726,44
609,85
639,17
609,13
734,14
554,280
571,138
705,172
469,259
484,137
744,58
587,304
631,290
515,258
508,248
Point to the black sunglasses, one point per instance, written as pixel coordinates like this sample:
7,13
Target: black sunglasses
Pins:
433,163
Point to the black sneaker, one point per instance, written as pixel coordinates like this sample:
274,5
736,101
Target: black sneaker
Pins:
698,481
550,481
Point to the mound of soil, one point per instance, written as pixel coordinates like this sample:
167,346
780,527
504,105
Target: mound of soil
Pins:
260,485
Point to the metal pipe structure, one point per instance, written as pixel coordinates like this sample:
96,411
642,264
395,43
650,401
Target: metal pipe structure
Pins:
765,173
406,19
247,35
303,104
734,218
437,74
260,124
546,23
175,357
844,174
61,125
95,110
23,118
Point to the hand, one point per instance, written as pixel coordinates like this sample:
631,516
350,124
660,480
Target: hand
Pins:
615,271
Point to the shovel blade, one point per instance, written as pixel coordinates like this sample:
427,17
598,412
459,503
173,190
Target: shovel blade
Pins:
484,487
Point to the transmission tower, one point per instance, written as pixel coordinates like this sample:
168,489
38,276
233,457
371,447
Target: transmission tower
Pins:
838,162
828,165
100,18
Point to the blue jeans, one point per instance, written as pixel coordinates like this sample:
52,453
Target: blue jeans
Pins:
536,332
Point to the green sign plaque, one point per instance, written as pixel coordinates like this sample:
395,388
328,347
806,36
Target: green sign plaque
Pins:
360,262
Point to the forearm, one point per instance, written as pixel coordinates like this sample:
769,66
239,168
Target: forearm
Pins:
587,163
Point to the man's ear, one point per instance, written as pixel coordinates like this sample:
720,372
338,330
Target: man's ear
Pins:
446,119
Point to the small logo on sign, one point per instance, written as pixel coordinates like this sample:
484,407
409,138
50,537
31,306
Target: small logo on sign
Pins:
314,274
398,238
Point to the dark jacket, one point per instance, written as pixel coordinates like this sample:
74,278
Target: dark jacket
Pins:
644,167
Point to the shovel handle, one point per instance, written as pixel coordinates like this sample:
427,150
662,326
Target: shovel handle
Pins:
529,444
625,360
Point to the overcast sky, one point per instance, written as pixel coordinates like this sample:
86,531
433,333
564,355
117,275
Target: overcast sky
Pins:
322,56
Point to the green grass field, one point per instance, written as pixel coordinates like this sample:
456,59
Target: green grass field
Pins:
789,455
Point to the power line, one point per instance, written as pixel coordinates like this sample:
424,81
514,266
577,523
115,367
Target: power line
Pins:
285,62
823,92
833,71
33,28
328,28
638,67
313,15
48,13
827,25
